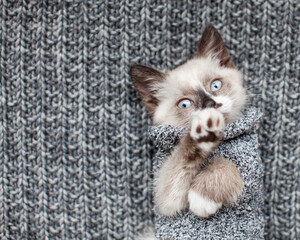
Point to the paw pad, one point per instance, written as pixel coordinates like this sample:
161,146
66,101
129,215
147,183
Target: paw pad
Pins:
198,129
207,125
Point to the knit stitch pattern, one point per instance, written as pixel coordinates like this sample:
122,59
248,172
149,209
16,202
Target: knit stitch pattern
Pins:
75,156
243,220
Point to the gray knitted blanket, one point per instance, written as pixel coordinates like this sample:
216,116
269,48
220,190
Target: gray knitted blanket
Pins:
245,220
75,155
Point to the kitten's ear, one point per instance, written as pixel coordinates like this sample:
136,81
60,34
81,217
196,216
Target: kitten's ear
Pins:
211,44
146,80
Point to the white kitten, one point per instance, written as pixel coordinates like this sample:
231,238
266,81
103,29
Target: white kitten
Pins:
203,95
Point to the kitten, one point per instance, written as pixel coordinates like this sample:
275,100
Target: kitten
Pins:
203,95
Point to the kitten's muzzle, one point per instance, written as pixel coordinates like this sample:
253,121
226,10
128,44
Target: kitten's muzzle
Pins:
209,103
206,101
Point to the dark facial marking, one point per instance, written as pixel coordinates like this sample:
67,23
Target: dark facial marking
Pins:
205,101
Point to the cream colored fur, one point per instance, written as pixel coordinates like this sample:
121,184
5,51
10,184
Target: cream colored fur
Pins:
190,77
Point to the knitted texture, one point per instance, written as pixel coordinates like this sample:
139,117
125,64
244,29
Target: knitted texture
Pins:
75,158
245,219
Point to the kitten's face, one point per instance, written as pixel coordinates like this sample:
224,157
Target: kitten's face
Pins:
199,83
208,80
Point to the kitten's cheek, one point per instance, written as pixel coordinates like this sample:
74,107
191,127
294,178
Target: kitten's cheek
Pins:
226,117
224,104
225,111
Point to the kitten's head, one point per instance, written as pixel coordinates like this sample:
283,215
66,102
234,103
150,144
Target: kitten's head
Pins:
210,79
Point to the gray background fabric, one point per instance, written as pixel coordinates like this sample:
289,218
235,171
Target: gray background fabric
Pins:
75,159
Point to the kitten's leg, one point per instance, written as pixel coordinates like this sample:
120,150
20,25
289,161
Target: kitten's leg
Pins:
173,181
220,182
177,172
207,129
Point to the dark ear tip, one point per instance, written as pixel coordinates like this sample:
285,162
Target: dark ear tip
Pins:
131,70
133,66
142,70
210,29
212,44
135,69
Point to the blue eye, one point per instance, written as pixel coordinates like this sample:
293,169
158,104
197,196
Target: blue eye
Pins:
216,85
185,103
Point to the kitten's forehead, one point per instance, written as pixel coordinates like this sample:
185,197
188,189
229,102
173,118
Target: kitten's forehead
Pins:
193,74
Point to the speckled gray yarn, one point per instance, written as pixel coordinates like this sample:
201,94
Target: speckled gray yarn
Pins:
245,220
75,158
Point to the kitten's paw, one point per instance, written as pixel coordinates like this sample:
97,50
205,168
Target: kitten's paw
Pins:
207,127
202,206
171,205
218,183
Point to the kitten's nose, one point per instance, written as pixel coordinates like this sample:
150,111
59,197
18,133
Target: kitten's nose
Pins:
209,103
205,101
